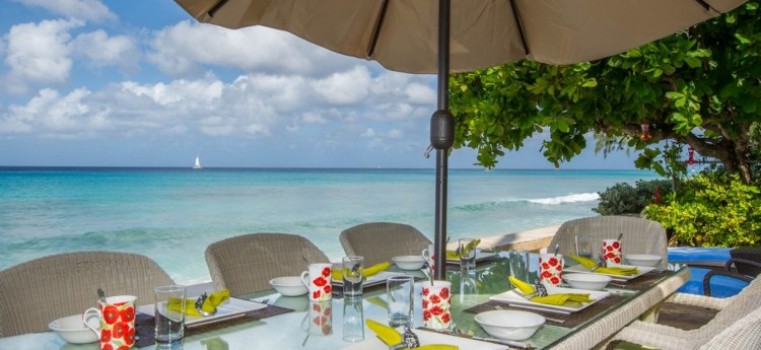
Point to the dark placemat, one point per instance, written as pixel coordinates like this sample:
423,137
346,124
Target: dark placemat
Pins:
568,320
145,324
645,281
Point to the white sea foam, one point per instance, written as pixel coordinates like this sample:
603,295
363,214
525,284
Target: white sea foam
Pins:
571,198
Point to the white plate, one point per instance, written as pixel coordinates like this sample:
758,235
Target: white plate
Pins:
233,308
480,255
642,270
376,279
515,297
372,342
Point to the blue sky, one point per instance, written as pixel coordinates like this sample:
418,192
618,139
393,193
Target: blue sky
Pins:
140,83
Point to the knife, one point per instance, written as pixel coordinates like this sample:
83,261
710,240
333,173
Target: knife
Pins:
511,343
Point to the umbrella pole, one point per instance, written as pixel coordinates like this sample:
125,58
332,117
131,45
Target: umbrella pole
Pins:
442,138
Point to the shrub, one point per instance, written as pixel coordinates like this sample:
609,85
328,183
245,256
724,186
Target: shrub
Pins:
623,198
712,210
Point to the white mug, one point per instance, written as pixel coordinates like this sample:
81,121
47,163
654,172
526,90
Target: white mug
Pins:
117,321
318,280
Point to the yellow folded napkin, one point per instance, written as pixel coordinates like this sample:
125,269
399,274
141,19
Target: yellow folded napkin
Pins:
391,337
614,270
338,275
452,254
209,305
564,299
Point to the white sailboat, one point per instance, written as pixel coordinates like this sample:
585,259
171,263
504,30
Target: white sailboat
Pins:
197,165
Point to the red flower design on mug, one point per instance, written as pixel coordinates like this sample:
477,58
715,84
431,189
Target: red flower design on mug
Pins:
617,260
327,289
609,248
107,346
444,294
326,272
130,338
426,291
546,274
554,280
120,329
426,315
616,245
128,314
435,299
553,261
110,314
320,281
105,335
545,266
446,317
425,303
123,347
316,294
317,308
437,310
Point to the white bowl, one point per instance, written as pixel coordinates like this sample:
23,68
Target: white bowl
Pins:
510,324
289,286
73,330
646,260
409,262
587,281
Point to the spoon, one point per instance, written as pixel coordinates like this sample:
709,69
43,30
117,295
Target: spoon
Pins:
557,247
620,235
199,306
102,296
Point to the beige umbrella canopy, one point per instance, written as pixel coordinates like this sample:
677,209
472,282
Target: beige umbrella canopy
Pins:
410,36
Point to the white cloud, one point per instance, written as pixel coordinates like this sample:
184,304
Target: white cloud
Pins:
312,118
420,94
38,53
350,87
369,132
104,50
395,134
187,46
88,10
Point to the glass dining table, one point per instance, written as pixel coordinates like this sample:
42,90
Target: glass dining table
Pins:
340,323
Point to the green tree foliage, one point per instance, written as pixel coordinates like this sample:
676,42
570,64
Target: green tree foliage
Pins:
712,209
699,87
623,198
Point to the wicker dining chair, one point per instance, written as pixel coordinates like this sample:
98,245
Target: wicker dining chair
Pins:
730,311
380,241
34,293
640,236
246,263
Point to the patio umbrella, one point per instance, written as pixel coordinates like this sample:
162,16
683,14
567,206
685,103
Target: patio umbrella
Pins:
439,36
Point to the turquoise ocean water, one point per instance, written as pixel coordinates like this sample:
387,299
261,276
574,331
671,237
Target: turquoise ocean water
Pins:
171,215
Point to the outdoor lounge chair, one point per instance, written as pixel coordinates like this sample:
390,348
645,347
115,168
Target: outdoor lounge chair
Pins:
640,236
744,264
245,264
380,241
739,313
34,293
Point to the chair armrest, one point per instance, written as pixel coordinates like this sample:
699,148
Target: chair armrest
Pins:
699,300
732,261
710,274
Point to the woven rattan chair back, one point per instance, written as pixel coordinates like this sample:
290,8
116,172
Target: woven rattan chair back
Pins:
34,293
641,236
743,334
245,264
381,241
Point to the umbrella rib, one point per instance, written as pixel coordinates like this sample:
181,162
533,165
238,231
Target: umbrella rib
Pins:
213,10
704,4
519,22
376,33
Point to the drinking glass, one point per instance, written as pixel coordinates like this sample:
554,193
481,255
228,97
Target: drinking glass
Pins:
467,254
399,292
583,246
170,315
354,320
353,268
